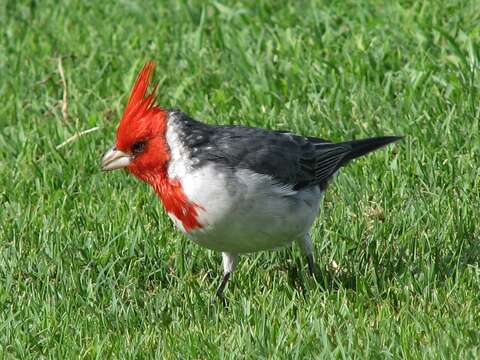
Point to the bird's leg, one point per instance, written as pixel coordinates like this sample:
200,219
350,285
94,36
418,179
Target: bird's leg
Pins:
229,261
306,246
222,285
311,264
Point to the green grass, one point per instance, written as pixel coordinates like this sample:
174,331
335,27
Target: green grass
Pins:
91,267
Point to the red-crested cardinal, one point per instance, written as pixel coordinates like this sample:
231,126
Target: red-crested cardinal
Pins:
233,189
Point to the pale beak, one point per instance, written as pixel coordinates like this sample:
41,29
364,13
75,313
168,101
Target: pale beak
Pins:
115,159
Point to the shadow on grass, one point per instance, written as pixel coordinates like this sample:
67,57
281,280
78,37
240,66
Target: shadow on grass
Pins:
437,267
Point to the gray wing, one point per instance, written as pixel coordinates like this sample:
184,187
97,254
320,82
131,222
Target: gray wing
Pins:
290,159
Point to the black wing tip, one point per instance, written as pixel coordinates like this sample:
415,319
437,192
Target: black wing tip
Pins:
379,141
383,139
362,147
394,138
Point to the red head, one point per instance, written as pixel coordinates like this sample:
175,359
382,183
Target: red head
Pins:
141,148
140,142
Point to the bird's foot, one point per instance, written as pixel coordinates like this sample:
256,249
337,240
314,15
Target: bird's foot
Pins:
311,265
221,287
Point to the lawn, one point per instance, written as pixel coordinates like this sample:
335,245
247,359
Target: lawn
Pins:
91,266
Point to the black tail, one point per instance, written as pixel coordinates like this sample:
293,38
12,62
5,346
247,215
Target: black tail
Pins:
363,147
329,157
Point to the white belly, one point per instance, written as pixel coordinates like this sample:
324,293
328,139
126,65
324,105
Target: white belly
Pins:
247,212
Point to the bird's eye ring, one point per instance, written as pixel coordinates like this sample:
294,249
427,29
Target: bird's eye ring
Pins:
138,147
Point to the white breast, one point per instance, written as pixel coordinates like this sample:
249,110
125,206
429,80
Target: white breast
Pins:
245,212
241,211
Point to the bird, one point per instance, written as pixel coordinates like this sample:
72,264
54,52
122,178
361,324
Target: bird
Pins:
229,188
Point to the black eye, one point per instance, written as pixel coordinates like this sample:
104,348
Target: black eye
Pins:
138,147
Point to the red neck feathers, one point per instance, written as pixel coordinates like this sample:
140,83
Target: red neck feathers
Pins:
176,202
170,192
145,122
